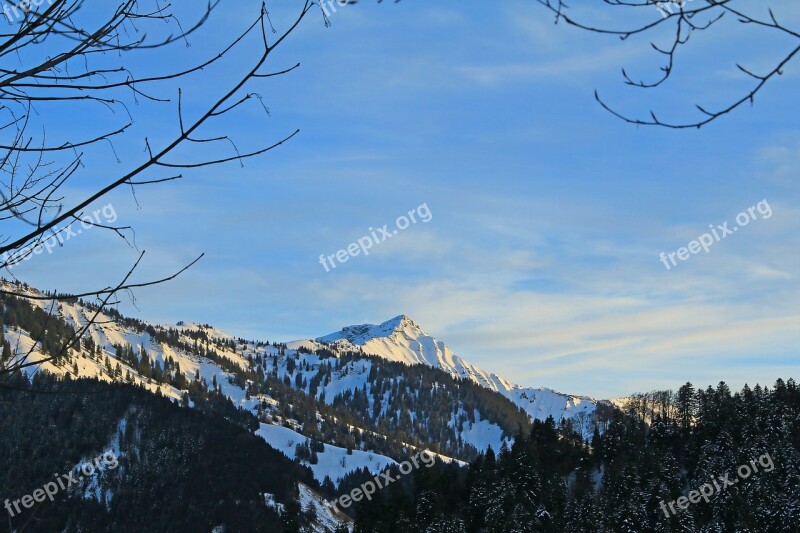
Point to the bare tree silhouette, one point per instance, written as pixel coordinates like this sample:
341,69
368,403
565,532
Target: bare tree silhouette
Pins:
55,55
685,17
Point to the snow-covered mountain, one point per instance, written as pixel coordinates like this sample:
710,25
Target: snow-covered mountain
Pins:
400,339
362,412
172,359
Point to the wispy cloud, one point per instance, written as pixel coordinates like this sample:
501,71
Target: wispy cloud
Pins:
608,58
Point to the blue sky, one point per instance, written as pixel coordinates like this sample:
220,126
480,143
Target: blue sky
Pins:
541,260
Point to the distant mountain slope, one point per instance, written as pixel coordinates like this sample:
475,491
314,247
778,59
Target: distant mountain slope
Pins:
400,339
346,400
382,390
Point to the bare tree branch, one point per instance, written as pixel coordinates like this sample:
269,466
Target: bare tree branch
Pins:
687,17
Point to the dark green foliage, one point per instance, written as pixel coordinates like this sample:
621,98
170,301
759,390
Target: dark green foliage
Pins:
180,469
395,390
548,481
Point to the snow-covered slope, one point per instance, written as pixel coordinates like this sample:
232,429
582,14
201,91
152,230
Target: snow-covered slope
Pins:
333,462
105,333
326,517
183,348
400,339
96,357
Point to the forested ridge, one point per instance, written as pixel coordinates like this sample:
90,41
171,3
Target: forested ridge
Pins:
659,447
179,469
549,481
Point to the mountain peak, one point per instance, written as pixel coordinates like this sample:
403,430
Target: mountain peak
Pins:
400,323
363,333
401,340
